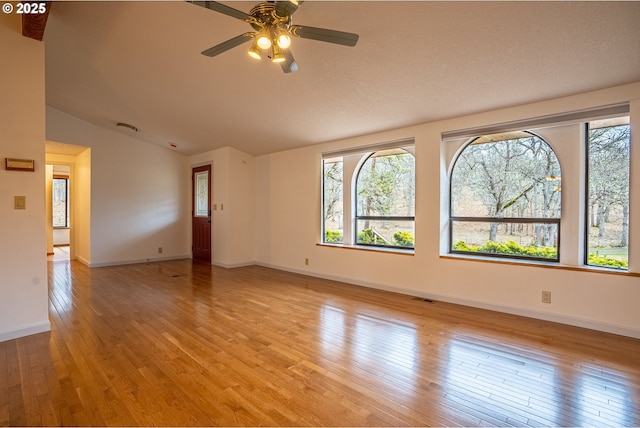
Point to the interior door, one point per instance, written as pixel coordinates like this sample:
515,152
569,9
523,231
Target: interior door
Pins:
201,213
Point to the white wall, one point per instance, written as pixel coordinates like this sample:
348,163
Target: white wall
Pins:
61,237
241,208
81,208
23,246
233,190
288,225
49,206
139,194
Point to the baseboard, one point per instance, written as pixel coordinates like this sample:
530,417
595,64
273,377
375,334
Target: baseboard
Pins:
83,261
546,316
133,262
233,265
524,312
25,331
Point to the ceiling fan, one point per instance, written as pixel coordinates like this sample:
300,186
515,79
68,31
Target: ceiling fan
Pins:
273,31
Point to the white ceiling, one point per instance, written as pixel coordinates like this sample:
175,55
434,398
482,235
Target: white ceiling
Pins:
416,61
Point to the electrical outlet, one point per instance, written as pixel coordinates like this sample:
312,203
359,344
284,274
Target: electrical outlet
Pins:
306,262
159,250
546,297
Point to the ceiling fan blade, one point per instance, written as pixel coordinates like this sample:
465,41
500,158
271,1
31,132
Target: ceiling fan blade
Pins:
219,7
287,7
325,35
289,65
231,43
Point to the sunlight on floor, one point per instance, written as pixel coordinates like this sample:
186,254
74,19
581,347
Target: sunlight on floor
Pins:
59,254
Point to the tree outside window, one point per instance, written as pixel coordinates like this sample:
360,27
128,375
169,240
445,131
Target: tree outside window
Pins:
385,200
380,207
60,200
332,201
505,198
608,149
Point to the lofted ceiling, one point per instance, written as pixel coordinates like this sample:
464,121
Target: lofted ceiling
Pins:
415,62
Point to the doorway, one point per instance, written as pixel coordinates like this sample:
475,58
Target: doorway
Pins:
201,213
70,166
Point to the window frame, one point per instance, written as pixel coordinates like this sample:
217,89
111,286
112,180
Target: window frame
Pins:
66,200
357,217
353,158
587,194
323,218
556,221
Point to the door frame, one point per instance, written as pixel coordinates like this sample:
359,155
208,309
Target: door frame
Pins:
197,221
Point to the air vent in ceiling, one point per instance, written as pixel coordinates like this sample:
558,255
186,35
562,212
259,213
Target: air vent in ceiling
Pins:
126,125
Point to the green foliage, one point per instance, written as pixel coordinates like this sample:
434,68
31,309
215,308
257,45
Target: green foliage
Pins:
597,260
509,248
332,236
403,239
367,236
400,239
508,177
385,184
370,236
512,248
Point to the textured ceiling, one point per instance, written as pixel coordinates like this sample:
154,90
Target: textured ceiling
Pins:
416,61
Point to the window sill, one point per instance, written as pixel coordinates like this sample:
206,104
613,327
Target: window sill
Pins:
545,265
60,227
368,248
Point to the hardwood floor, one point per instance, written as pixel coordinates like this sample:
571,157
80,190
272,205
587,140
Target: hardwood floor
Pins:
175,343
60,253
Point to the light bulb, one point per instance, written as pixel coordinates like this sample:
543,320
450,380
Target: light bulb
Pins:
254,53
264,42
284,40
278,56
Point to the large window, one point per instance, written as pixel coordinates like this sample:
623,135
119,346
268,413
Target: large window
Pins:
608,148
368,197
385,199
332,204
60,200
505,198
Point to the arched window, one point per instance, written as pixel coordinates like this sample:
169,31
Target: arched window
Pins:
505,198
385,200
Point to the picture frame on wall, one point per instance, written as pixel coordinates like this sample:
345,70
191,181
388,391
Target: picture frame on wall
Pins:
19,164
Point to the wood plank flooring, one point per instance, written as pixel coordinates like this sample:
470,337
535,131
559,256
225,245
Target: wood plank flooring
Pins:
184,344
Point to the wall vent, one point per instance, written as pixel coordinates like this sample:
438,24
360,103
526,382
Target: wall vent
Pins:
126,125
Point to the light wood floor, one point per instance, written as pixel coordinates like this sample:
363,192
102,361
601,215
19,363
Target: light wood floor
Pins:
176,343
60,253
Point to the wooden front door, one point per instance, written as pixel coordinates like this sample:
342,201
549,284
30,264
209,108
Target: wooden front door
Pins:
201,213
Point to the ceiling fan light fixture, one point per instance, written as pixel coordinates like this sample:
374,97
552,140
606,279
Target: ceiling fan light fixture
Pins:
278,56
273,31
263,41
255,53
284,40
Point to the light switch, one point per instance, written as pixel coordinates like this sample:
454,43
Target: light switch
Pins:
20,202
